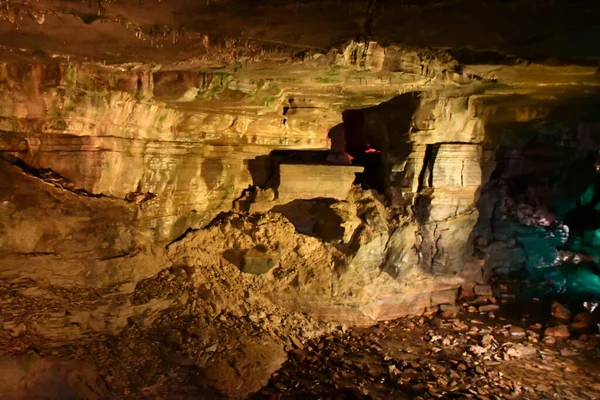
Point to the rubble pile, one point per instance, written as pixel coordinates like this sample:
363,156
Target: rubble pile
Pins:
472,354
480,349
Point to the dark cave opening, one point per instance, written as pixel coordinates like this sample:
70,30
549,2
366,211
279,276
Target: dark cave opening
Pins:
372,177
539,225
426,174
377,138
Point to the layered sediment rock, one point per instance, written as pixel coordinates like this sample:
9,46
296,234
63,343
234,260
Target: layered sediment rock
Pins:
139,164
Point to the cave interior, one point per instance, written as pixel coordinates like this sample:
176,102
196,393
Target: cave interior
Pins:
345,199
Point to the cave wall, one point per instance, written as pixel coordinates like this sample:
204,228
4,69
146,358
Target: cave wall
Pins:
134,156
536,186
140,145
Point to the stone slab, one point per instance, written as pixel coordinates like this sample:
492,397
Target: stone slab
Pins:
302,181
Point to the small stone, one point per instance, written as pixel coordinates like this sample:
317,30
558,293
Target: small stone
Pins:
393,370
526,351
536,327
489,307
560,331
542,387
478,350
19,330
297,342
431,310
298,355
212,348
483,290
486,340
567,352
582,322
517,331
449,311
549,340
560,312
254,318
520,350
578,344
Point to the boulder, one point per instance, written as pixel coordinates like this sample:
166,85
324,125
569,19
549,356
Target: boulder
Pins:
560,312
559,331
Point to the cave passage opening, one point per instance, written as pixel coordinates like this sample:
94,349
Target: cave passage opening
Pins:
539,224
377,138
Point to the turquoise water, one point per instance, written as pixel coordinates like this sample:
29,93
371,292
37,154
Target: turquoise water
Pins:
541,245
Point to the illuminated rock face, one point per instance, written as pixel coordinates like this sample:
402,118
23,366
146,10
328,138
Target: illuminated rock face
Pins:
134,157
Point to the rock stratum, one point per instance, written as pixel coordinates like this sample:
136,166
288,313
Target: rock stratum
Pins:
178,192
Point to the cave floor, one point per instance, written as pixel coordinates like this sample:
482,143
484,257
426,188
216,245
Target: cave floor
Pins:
496,346
468,355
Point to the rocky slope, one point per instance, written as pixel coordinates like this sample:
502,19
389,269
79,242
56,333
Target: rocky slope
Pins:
181,190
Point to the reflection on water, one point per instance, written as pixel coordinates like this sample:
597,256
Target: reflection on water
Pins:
561,261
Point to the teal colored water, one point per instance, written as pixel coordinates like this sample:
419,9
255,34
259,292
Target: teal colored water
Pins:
541,244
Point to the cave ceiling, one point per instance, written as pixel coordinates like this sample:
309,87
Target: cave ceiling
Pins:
166,31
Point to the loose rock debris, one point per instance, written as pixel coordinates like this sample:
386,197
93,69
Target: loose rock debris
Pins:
449,355
452,352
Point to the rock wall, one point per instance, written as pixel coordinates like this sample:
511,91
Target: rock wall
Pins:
134,156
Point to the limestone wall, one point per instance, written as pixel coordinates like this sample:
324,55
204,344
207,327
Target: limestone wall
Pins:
104,166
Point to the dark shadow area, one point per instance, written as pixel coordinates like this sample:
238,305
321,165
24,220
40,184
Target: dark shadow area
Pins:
311,157
471,56
539,221
426,174
314,218
234,256
378,137
261,170
337,135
